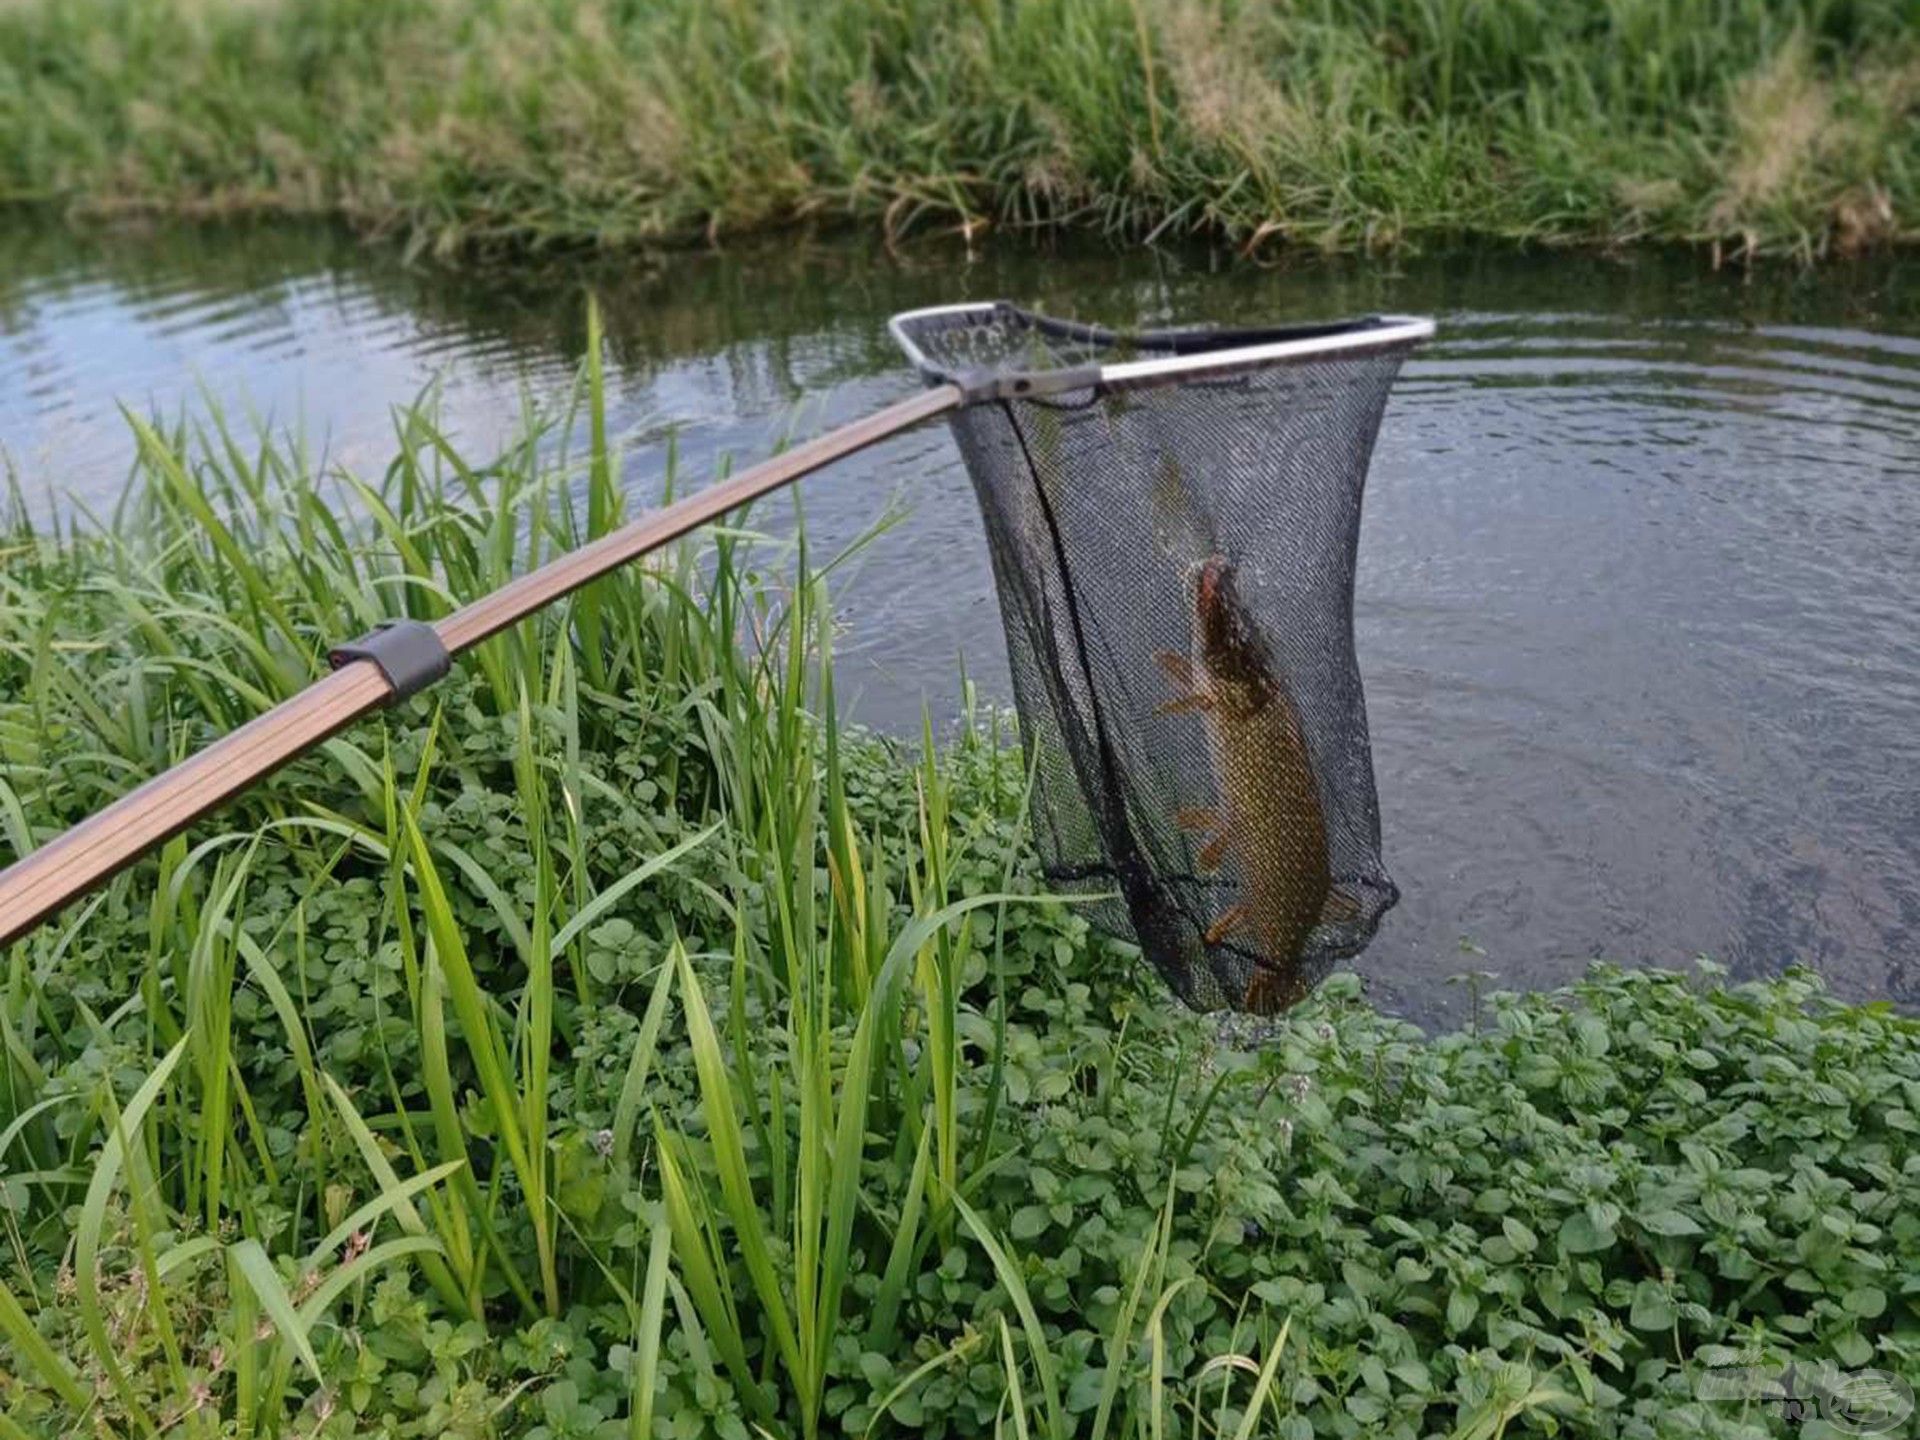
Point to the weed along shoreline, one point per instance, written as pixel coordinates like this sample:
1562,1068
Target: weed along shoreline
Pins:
609,1042
509,125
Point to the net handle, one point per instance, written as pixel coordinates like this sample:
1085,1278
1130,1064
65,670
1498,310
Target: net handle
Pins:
376,671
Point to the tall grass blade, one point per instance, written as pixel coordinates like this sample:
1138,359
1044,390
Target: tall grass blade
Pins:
456,1295
653,1297
708,1296
1250,1418
633,1088
1036,1335
730,1160
91,1225
19,1330
254,1266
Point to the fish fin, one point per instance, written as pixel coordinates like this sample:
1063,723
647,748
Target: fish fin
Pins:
1234,917
1340,909
1178,667
1213,852
1266,994
1197,817
1185,705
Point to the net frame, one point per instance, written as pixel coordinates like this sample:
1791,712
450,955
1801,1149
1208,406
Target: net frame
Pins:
1167,355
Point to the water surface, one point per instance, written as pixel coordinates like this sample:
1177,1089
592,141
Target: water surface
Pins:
1639,603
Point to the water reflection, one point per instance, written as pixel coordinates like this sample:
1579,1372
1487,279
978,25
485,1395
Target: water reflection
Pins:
1639,580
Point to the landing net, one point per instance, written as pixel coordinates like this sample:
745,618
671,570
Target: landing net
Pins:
1173,517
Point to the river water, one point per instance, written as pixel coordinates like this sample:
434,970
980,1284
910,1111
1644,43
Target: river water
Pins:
1639,597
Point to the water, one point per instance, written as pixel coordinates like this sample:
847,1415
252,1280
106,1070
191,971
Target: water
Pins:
1639,607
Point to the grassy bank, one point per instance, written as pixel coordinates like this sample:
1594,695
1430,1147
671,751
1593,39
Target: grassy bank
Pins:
1784,127
610,1045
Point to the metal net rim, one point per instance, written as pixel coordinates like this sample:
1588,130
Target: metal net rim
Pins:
1164,356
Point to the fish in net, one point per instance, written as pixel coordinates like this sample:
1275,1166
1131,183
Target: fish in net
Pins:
1173,519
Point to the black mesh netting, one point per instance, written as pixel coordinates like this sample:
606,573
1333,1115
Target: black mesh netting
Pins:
1175,564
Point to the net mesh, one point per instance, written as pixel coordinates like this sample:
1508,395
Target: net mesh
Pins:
1175,567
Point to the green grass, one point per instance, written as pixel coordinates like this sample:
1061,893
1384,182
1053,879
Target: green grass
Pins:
1789,126
611,1044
